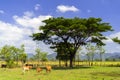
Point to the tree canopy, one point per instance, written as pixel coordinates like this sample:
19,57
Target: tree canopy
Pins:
40,56
10,54
72,32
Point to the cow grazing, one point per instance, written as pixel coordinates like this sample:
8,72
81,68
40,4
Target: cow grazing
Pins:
3,66
38,69
26,68
30,65
48,68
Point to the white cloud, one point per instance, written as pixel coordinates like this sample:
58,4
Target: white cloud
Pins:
64,8
37,7
2,12
28,14
111,46
17,34
31,22
115,35
29,25
109,40
30,45
10,32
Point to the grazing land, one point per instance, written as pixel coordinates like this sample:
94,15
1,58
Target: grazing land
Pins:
78,73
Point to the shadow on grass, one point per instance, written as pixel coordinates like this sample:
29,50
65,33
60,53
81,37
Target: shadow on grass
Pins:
70,68
113,74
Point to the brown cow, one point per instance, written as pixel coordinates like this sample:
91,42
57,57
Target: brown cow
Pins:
26,68
38,69
30,65
48,68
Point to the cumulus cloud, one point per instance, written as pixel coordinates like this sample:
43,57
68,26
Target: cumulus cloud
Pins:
30,45
64,8
18,33
10,32
109,38
111,46
28,14
37,7
1,12
115,35
31,22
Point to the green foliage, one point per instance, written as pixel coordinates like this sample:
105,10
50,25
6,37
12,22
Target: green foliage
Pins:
91,51
72,33
11,64
11,54
40,56
62,52
116,40
44,56
22,55
101,51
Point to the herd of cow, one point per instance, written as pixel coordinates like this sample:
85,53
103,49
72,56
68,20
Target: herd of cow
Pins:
38,69
27,67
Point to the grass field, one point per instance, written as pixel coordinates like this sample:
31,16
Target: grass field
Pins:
81,73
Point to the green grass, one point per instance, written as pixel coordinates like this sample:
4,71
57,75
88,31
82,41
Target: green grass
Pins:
82,73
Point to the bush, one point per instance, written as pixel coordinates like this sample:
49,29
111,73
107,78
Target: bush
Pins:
11,64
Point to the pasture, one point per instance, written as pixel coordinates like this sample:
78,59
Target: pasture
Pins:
77,73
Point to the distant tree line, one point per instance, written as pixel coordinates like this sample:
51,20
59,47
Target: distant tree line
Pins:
12,54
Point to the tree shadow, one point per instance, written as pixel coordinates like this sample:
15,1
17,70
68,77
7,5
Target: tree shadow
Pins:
113,74
70,68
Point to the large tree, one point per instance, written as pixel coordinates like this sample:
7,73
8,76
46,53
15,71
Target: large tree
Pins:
73,32
62,53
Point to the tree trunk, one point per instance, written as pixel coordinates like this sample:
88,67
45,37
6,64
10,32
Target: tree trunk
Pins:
89,61
71,60
66,63
100,59
71,63
78,59
59,63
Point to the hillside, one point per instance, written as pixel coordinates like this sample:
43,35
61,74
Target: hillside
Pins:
109,56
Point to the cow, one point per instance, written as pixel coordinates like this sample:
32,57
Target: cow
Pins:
30,65
3,66
48,68
26,68
38,69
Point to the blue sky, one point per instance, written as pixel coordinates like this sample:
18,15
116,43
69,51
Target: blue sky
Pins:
20,18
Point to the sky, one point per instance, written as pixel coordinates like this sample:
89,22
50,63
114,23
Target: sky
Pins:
21,18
